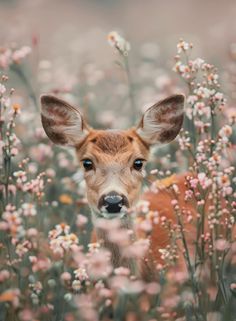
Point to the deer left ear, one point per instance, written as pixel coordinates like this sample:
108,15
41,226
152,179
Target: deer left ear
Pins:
62,122
162,122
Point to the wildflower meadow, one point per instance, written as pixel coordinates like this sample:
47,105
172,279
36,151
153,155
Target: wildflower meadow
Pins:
51,267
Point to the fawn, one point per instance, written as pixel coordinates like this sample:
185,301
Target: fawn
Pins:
113,162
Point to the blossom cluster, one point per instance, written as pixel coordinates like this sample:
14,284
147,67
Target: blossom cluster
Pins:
118,42
53,267
9,56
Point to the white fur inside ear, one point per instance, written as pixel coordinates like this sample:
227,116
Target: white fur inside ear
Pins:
151,131
162,122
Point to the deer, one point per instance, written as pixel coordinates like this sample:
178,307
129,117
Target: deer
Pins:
113,163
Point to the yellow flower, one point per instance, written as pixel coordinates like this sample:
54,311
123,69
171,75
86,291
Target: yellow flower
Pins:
166,182
16,107
9,295
65,199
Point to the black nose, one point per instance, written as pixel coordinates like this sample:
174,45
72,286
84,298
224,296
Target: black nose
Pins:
112,202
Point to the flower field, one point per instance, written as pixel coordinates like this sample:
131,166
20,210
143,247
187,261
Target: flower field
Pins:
51,269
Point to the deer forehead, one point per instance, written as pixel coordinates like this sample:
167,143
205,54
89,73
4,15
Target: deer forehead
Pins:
112,146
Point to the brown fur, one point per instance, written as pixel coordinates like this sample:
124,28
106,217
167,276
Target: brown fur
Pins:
58,138
161,202
113,153
111,142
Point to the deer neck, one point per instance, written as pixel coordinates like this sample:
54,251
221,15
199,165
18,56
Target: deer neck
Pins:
117,259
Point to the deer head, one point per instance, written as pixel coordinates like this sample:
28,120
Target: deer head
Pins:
113,160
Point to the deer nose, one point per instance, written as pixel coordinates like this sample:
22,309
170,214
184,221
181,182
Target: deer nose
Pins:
112,202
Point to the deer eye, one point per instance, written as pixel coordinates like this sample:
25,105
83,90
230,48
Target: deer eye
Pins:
138,164
88,164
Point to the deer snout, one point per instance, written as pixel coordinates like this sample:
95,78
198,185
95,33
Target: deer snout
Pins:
113,202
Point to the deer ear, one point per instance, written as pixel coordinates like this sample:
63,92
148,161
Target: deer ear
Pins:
162,122
63,123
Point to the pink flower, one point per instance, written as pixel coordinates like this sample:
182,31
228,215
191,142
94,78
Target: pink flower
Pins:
142,206
221,245
5,58
32,232
86,306
41,153
233,286
183,46
28,209
225,132
23,248
188,194
122,271
62,240
26,315
119,236
4,275
81,274
204,181
105,293
138,249
152,288
174,202
126,285
2,89
40,264
14,151
20,54
65,276
81,220
99,264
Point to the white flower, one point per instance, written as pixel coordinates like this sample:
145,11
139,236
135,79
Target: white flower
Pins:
219,96
225,131
182,46
165,254
223,180
21,53
201,109
93,247
119,43
61,239
197,63
143,206
192,99
81,274
203,92
2,89
204,181
29,209
62,228
76,285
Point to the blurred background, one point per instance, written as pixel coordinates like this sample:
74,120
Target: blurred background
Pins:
76,27
62,47
70,50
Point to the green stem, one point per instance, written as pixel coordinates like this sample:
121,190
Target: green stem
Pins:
7,165
212,128
27,84
130,85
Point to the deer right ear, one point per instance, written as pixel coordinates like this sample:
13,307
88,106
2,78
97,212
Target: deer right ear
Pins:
162,122
63,123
